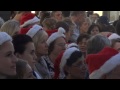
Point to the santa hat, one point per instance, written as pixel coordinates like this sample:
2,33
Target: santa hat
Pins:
56,35
66,56
50,32
27,19
4,37
34,30
113,36
96,61
108,66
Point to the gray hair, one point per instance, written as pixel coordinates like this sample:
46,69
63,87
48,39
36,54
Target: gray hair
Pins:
1,22
97,43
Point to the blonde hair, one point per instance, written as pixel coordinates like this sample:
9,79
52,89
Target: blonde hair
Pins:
38,37
10,27
49,23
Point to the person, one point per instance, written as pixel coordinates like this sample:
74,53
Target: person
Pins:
24,70
11,27
48,24
77,18
7,58
40,37
72,64
94,17
56,44
25,49
82,43
94,29
57,15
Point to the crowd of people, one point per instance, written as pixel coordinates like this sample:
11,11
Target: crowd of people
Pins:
59,45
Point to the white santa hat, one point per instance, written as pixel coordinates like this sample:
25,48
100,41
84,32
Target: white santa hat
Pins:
108,66
68,52
113,36
54,36
34,30
4,37
27,19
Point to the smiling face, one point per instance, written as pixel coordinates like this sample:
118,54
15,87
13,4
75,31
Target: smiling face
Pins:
7,59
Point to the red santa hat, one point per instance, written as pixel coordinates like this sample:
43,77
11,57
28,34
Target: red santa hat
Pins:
34,30
65,56
108,66
50,32
4,37
27,19
56,35
113,36
97,61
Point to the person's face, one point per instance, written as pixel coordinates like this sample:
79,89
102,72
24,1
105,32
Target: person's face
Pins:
29,54
83,45
94,17
78,69
84,27
59,45
95,31
29,73
58,15
7,59
42,48
117,46
81,18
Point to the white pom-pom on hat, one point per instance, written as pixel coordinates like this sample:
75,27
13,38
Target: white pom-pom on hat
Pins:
56,35
34,30
61,30
4,37
113,36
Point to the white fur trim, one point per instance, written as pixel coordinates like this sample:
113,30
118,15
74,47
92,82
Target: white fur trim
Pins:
66,55
113,36
108,66
72,45
56,35
31,21
4,37
34,30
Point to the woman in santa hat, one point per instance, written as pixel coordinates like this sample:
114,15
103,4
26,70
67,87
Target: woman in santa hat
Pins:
7,58
40,37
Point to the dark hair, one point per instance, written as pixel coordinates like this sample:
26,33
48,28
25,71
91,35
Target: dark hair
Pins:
73,58
51,47
91,28
62,24
20,68
19,42
111,28
82,36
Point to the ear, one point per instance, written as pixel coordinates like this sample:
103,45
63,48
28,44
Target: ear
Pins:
18,55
